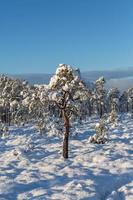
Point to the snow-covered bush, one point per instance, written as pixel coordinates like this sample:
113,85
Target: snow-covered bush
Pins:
113,116
101,133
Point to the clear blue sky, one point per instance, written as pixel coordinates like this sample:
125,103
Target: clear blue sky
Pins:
37,35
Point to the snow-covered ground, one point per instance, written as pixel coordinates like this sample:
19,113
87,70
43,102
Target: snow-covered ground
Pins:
32,167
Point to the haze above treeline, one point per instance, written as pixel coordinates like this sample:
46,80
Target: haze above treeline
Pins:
123,79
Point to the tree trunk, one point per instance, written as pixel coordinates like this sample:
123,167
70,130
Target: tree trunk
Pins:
90,109
66,134
127,107
101,111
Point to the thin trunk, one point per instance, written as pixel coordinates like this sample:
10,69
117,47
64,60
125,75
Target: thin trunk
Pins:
101,111
66,134
127,107
90,109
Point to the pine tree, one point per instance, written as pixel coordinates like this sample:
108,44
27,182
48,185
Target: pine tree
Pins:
100,95
66,91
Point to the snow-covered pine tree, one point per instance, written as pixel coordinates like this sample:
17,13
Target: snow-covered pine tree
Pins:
113,99
130,100
66,92
100,136
123,102
100,95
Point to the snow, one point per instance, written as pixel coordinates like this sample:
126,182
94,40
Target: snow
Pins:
53,81
55,96
66,87
32,167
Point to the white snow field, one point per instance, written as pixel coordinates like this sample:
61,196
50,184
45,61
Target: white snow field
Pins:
32,167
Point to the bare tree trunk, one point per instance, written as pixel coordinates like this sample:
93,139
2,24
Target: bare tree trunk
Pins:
66,134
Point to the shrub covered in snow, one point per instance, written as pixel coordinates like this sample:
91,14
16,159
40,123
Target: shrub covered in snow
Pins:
101,133
113,116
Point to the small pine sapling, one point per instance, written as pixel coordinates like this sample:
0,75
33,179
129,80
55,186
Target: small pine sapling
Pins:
5,131
113,117
100,136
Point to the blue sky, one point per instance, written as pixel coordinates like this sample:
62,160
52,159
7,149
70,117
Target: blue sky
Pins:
37,35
